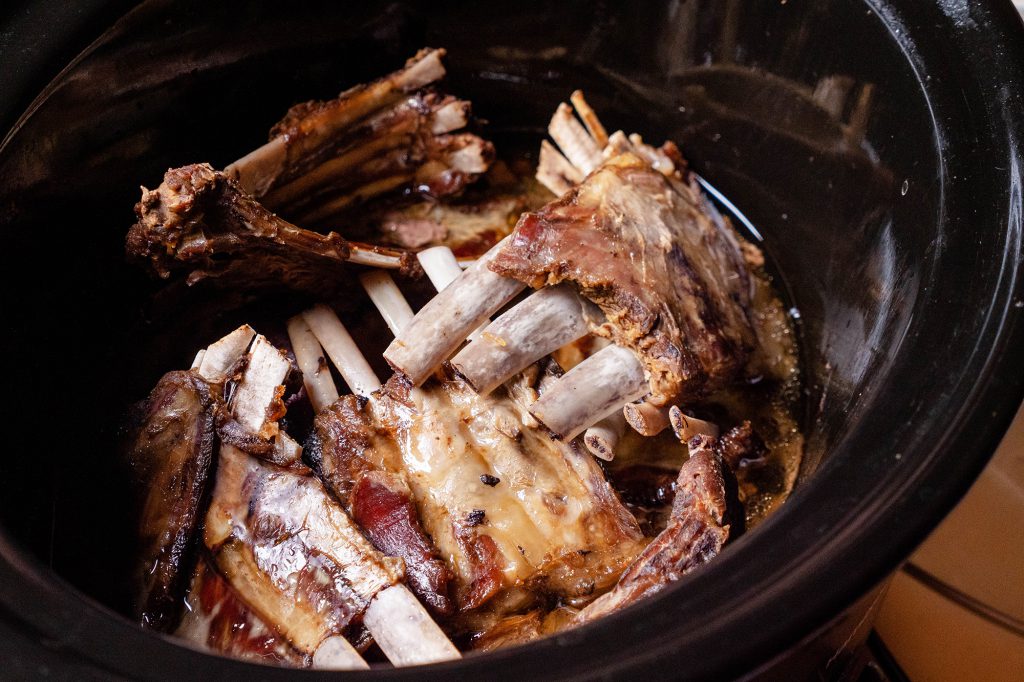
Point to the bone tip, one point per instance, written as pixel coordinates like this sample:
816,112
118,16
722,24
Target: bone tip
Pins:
599,447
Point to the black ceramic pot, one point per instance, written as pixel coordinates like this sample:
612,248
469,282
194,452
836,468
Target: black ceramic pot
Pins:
876,146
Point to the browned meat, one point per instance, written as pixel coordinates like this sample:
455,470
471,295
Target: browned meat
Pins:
550,525
671,280
740,446
406,145
383,507
697,530
170,454
217,619
200,222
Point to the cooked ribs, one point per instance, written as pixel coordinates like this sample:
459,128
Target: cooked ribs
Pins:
170,455
671,281
373,138
550,525
703,513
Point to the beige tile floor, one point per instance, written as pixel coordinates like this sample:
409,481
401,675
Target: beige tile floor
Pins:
956,612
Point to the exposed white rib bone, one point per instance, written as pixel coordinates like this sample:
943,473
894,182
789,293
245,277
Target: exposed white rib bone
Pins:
260,387
388,298
603,437
404,630
444,322
589,118
199,359
451,116
554,171
316,375
222,355
646,419
686,427
335,653
544,322
374,257
591,391
573,140
440,264
342,350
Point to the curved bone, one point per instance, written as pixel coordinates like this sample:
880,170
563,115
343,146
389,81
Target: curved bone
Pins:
591,391
542,323
686,427
443,323
645,418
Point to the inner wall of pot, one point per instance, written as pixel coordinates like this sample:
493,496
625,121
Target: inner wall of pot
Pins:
772,104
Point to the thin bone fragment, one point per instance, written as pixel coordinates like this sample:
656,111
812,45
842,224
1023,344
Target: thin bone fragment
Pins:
315,373
646,419
603,437
686,427
573,140
388,298
405,631
199,359
443,323
589,118
542,323
375,256
590,391
335,653
222,355
342,350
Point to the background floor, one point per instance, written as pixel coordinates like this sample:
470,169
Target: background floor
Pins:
956,610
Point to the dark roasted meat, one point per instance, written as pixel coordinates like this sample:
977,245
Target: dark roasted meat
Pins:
671,280
198,221
697,529
170,454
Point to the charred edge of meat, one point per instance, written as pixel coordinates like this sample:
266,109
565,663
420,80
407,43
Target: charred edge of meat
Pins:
199,221
171,455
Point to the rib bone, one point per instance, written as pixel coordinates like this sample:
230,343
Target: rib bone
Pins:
686,427
259,170
343,351
577,145
315,374
603,437
645,418
222,355
404,631
443,323
590,391
389,300
544,322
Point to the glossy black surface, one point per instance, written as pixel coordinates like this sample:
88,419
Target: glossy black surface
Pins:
891,209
